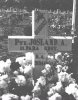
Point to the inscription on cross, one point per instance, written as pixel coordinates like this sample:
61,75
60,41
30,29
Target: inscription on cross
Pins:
39,42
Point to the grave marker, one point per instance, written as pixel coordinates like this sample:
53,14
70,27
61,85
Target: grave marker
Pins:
39,42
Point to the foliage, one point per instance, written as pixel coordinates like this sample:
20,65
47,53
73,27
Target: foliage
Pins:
41,4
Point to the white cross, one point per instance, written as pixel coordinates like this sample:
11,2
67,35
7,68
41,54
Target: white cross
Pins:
39,43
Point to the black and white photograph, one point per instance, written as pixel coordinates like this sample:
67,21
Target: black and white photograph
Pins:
38,49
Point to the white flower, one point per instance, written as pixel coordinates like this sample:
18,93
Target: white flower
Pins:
21,60
48,67
9,97
51,57
6,97
35,98
27,97
51,92
58,87
65,68
59,68
36,89
58,56
4,81
66,55
41,81
7,65
56,96
20,80
72,89
3,84
44,72
2,63
4,77
16,73
22,97
30,57
63,76
28,70
21,69
8,61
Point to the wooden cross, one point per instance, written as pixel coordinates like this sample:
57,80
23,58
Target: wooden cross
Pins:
39,43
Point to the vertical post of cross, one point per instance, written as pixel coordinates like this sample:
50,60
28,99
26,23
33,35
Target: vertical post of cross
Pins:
73,17
33,26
